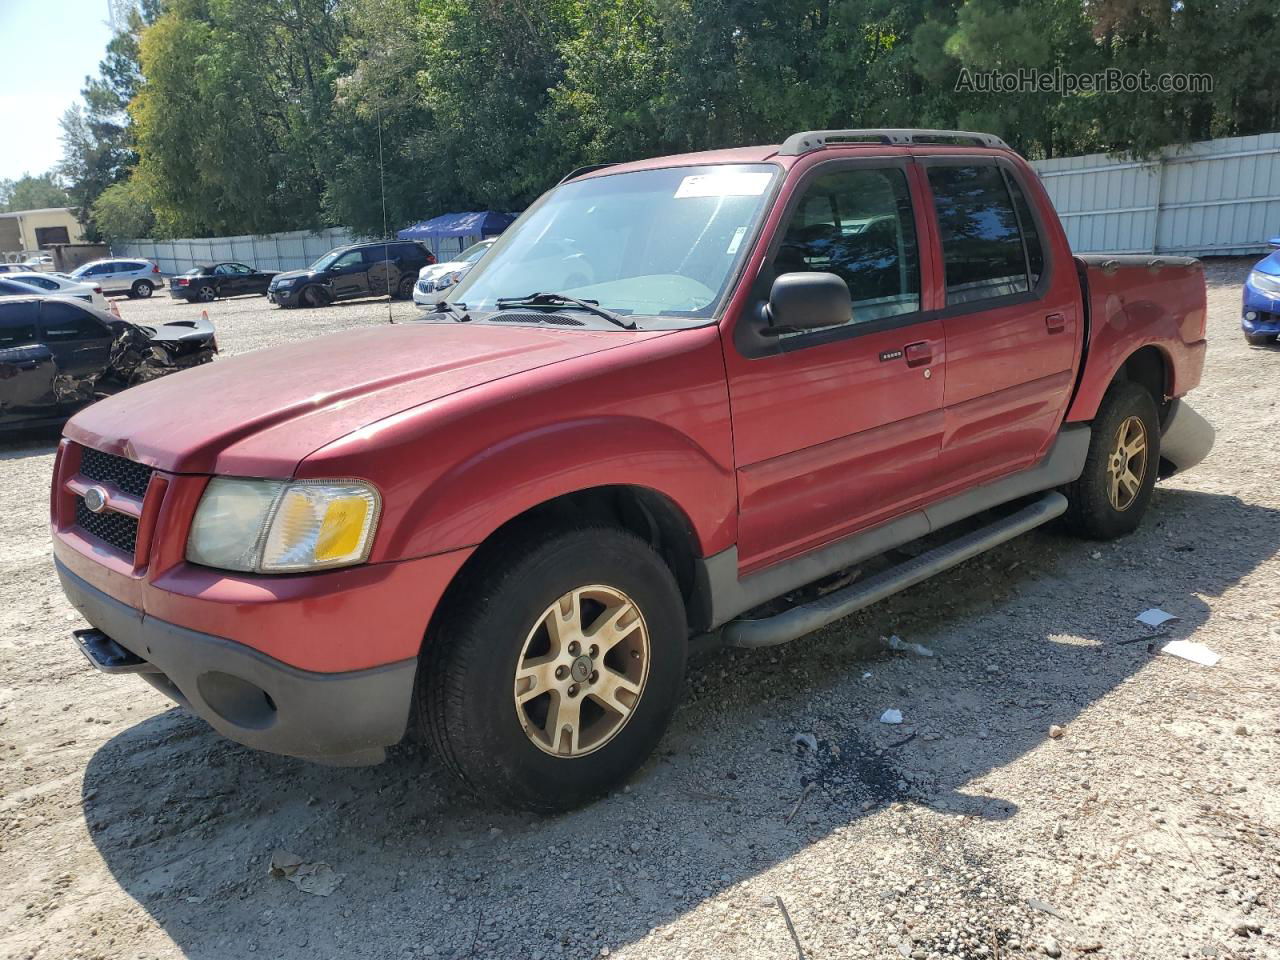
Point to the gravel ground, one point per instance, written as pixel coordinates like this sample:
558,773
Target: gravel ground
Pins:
1145,828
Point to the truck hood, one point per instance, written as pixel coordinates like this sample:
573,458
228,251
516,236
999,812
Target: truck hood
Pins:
259,414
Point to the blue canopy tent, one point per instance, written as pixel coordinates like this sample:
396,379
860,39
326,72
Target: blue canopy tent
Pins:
461,228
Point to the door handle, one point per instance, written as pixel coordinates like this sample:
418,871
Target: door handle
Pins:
1055,323
918,354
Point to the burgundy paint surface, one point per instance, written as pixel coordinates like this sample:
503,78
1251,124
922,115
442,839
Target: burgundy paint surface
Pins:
463,427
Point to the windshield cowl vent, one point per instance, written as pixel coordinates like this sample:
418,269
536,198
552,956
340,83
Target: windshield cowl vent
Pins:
556,319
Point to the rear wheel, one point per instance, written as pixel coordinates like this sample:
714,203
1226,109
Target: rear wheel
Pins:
141,289
405,290
1111,495
207,294
555,675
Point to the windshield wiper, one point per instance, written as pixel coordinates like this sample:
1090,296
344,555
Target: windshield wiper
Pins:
458,310
560,299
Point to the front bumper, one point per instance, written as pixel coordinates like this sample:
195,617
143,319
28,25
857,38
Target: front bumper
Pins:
252,698
284,298
1265,310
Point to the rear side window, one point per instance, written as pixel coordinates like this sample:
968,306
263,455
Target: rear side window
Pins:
982,245
409,250
379,253
43,282
63,321
18,324
1030,233
858,224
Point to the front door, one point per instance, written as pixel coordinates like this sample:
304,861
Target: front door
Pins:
348,275
81,348
838,429
1011,322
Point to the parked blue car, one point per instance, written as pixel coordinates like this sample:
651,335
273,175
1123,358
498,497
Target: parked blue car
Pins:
1260,317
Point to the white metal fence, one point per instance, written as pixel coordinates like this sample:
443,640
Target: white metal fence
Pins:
274,251
1215,198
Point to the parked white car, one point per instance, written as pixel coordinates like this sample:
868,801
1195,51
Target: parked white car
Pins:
435,279
60,285
42,262
137,278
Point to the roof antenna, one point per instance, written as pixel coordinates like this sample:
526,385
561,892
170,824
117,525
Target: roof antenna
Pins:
386,250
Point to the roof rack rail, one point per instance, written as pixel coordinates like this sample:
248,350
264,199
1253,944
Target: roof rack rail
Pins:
801,143
589,168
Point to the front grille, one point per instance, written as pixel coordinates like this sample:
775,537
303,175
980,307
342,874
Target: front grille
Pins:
117,529
424,285
130,477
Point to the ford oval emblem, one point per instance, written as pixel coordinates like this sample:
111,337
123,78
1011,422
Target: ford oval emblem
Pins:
95,499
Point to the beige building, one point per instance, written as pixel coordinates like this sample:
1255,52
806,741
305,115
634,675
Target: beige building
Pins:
31,230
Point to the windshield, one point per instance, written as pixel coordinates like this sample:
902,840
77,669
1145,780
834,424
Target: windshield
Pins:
473,252
653,242
327,259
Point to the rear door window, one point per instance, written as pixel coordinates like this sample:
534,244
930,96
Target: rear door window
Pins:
18,324
62,322
983,248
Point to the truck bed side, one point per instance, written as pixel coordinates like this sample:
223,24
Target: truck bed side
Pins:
1140,303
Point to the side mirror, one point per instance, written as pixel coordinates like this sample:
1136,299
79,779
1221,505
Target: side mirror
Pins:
1274,243
808,301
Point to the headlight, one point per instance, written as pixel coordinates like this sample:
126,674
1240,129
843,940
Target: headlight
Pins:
1265,282
272,526
447,281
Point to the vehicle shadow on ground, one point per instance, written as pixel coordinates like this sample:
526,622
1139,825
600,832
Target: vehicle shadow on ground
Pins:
187,822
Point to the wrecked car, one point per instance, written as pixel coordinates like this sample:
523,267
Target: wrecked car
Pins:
58,354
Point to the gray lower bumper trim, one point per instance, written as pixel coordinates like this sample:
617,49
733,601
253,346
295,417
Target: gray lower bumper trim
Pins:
253,698
1187,439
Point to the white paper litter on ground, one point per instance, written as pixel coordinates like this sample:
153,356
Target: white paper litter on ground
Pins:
1190,650
891,716
1155,617
895,642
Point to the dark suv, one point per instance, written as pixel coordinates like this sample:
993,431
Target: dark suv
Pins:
357,270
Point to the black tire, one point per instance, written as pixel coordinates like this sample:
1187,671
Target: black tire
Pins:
207,294
1090,512
142,289
312,296
404,290
1259,339
465,692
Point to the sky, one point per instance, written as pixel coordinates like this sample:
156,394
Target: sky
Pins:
47,47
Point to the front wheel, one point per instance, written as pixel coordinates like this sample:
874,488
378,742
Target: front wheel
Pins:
313,296
1112,493
141,289
554,676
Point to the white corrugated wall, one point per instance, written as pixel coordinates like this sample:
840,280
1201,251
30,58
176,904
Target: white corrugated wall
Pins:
1215,198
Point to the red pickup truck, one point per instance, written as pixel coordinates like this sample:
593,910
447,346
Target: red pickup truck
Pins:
675,400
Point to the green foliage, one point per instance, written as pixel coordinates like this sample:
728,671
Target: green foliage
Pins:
32,193
261,115
123,211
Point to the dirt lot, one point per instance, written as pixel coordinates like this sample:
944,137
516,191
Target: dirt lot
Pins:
1148,829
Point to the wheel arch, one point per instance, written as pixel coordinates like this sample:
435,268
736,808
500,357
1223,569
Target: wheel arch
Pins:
648,513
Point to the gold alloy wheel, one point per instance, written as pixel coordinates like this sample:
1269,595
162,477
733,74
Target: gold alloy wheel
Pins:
1127,465
582,671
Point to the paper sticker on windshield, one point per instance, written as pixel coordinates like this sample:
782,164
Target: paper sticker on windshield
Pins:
724,185
736,241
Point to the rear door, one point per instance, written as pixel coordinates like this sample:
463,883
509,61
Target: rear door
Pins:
26,366
838,429
1010,321
80,344
382,271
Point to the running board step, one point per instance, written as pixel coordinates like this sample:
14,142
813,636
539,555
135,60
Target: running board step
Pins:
809,617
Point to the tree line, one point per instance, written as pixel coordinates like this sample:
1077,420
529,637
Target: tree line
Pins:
224,117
